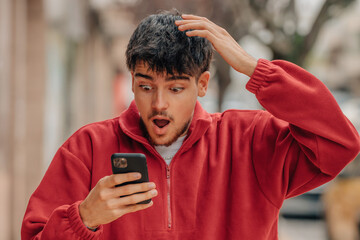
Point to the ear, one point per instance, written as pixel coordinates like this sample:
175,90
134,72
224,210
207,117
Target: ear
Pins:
203,83
132,81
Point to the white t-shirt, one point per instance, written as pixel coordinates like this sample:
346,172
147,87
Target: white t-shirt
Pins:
167,153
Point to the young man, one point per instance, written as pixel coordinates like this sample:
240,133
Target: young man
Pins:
212,176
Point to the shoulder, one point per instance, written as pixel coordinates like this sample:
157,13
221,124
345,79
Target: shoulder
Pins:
247,119
92,133
239,116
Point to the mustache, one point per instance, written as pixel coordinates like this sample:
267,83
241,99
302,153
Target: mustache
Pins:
160,113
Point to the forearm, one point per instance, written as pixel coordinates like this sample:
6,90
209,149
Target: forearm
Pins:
292,94
53,207
63,223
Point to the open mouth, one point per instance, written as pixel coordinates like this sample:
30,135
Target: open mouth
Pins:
160,123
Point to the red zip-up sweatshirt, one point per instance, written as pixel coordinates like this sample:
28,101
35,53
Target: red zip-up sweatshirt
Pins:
227,181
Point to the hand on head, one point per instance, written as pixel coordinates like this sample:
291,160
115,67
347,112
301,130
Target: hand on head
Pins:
222,41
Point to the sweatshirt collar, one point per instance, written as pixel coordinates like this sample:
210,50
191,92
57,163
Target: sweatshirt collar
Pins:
129,122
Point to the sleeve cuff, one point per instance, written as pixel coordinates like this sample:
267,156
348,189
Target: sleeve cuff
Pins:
78,226
260,76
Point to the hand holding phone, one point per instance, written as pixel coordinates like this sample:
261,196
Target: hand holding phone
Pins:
106,203
130,162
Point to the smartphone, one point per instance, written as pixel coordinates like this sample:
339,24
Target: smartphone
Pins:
130,162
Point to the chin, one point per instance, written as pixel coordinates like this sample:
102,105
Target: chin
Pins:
163,140
160,142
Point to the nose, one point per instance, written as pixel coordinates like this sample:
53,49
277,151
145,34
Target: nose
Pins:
159,101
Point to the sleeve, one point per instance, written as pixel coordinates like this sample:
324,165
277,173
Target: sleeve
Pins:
53,212
303,139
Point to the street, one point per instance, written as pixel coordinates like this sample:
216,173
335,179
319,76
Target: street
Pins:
302,229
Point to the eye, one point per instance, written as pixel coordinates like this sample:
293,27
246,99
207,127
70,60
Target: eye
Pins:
176,89
146,88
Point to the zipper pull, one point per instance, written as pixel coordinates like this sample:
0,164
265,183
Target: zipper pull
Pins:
167,171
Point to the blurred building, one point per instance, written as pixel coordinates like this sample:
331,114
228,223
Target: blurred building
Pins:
58,69
22,92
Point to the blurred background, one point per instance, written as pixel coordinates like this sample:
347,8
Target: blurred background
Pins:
62,66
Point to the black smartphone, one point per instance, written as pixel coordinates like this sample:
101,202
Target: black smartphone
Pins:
130,162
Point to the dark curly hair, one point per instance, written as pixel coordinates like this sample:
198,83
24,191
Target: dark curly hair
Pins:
158,43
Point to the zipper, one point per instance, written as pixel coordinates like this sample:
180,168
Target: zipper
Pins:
155,153
168,196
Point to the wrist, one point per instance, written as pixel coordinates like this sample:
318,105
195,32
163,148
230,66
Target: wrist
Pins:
83,213
91,228
249,67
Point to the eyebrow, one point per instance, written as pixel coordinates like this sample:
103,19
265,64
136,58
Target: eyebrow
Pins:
177,77
170,78
143,76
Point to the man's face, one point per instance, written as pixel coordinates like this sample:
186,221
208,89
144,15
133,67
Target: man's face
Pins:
166,102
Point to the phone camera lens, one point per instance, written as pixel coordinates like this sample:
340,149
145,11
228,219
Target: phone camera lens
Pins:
120,162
